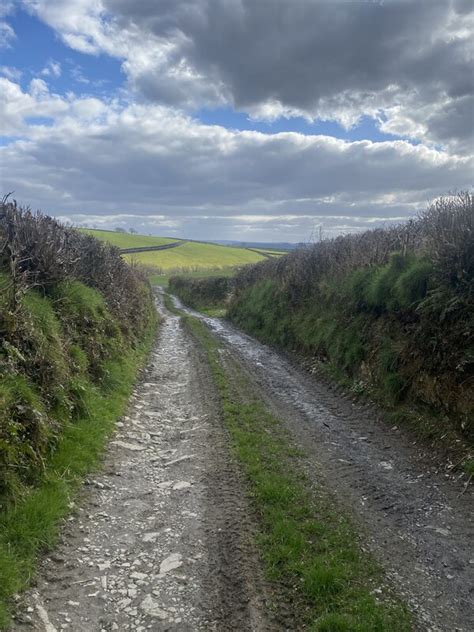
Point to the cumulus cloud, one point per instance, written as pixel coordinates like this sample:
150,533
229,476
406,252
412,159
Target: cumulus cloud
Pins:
141,159
337,60
179,175
24,113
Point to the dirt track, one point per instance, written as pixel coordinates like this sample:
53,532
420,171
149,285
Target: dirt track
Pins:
417,521
161,538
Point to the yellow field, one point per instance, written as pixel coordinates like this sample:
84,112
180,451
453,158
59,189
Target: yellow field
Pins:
191,255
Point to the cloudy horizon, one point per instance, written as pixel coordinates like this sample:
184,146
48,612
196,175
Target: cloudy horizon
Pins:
235,119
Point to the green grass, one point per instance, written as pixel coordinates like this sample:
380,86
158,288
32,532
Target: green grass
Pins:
192,256
30,526
126,240
309,548
215,312
384,332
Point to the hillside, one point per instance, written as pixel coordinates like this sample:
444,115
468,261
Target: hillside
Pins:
126,240
191,255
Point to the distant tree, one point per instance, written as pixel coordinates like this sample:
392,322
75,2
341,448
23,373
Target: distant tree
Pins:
132,231
119,229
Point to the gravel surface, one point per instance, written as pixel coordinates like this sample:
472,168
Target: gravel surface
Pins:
415,516
161,538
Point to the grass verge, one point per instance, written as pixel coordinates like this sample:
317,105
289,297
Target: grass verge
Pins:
309,548
32,524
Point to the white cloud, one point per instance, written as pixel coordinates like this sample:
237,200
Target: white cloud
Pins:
7,35
407,65
172,174
11,72
52,69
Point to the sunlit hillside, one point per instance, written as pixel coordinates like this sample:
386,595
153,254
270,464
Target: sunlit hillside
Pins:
190,255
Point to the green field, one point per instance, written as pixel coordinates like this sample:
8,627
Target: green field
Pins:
125,240
194,255
191,256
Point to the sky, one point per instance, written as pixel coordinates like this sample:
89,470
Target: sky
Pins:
251,120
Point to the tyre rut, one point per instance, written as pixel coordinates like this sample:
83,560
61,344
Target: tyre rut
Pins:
160,539
414,517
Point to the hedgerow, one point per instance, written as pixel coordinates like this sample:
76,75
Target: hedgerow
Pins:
393,309
69,305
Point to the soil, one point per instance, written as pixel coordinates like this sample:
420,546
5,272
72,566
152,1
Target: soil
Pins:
416,518
161,538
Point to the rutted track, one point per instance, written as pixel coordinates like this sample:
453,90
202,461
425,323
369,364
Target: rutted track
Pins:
161,538
416,520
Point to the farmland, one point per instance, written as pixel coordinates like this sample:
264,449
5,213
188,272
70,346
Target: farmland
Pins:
126,240
190,256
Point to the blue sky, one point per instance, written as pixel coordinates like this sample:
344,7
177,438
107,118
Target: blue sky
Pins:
306,117
36,45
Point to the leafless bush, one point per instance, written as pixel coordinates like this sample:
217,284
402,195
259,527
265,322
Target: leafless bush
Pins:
444,233
38,251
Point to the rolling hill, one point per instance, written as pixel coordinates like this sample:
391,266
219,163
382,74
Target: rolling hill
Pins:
191,255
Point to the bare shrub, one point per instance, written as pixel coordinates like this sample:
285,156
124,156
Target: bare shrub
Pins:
38,251
444,233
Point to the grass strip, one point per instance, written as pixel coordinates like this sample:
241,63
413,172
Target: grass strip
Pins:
309,548
32,525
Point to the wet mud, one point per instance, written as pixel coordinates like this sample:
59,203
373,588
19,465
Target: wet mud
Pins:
416,518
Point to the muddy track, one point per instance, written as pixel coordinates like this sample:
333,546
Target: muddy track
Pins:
416,520
161,538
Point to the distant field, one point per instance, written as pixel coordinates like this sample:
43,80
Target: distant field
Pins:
125,240
191,256
269,252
